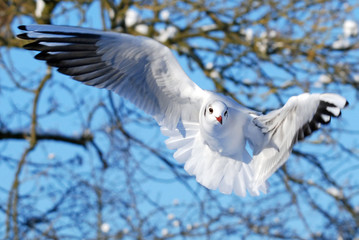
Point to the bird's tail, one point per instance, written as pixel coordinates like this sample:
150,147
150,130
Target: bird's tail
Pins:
211,169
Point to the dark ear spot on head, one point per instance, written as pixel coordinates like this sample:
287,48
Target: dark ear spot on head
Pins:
205,110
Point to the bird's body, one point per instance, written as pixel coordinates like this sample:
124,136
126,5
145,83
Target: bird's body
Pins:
224,144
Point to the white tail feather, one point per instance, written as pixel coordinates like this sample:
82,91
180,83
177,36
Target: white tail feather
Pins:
184,153
211,169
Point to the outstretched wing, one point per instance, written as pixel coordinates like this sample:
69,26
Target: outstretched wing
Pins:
298,118
137,68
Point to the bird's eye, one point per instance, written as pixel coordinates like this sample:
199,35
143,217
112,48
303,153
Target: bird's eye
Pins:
225,113
210,110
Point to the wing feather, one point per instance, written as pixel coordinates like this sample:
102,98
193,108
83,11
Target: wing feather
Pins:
137,68
298,118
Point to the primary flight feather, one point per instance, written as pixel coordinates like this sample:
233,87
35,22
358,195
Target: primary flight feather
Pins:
209,131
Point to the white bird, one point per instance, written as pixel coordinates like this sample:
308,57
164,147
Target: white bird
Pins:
209,131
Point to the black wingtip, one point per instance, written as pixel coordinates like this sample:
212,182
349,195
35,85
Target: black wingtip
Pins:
32,46
41,56
340,113
346,104
22,36
22,27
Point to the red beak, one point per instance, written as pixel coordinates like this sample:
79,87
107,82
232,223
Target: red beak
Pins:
219,119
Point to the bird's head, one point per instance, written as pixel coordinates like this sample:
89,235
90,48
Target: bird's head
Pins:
216,113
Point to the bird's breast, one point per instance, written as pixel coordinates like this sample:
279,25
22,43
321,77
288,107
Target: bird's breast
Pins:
225,140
